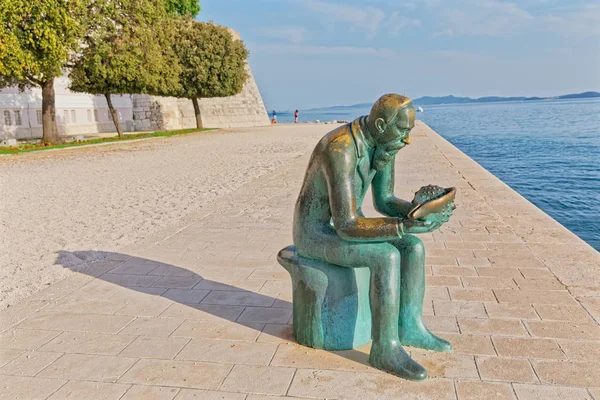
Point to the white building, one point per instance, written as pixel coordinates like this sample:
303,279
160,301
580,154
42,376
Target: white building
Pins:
76,113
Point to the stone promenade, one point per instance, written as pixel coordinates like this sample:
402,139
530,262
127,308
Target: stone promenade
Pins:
202,310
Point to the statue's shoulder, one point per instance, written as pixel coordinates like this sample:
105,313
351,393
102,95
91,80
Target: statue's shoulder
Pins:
340,140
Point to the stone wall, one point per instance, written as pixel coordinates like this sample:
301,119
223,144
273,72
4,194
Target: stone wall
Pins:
167,113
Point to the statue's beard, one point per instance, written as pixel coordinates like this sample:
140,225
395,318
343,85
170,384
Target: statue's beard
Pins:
381,158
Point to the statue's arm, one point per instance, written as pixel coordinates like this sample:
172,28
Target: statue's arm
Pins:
349,225
383,194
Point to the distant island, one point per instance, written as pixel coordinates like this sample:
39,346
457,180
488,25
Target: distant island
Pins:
429,100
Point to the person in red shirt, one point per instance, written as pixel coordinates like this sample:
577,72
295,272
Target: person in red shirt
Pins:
296,117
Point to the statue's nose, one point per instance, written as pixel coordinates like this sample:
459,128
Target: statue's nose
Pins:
406,140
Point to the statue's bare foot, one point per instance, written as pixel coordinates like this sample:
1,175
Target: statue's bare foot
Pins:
391,357
422,338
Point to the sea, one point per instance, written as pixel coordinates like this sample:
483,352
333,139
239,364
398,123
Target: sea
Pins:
547,150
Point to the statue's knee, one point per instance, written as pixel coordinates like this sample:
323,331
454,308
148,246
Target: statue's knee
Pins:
387,256
413,245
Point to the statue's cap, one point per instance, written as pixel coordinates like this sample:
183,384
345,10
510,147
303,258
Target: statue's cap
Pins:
388,105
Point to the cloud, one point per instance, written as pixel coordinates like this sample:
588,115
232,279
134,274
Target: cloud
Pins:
502,19
397,22
360,18
321,50
368,19
293,34
488,18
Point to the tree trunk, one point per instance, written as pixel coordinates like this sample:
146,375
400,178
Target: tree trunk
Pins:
49,128
197,113
114,115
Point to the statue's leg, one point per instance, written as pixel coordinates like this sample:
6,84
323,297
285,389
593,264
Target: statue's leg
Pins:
411,329
383,260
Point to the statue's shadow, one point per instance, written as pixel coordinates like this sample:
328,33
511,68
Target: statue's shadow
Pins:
204,300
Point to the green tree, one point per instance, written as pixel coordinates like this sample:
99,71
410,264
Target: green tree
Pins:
37,40
182,7
213,62
130,51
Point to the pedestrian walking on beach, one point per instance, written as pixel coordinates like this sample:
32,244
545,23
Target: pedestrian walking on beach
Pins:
296,117
274,119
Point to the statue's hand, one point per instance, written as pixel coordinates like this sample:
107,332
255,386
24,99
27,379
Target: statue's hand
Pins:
418,226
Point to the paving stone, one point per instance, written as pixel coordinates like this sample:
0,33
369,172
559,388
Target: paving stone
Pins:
538,392
562,313
443,281
137,392
429,260
473,262
531,297
509,310
581,350
453,271
29,363
7,355
500,273
219,330
152,326
88,343
238,298
436,293
77,322
537,273
233,284
469,294
530,348
260,380
84,306
226,351
441,324
203,312
595,392
190,296
22,387
265,315
366,386
194,394
90,391
505,369
263,397
154,347
445,308
176,373
568,373
277,333
177,282
470,344
152,307
491,326
484,390
446,365
130,280
564,329
297,356
88,367
488,282
25,339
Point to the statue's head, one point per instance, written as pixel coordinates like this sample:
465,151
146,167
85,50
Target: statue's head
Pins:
390,121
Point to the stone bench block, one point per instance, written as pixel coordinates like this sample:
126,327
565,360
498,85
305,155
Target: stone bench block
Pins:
331,308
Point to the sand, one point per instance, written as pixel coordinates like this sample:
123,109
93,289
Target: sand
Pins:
106,197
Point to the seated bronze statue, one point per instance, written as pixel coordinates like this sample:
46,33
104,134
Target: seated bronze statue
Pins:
355,278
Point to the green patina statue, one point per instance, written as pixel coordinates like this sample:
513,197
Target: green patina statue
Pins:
357,279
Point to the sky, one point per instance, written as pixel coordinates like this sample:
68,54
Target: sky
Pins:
309,53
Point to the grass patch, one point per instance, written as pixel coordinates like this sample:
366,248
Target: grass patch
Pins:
25,148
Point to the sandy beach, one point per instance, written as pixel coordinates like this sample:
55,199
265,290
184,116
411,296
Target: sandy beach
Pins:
103,198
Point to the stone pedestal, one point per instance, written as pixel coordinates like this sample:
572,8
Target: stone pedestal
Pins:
330,303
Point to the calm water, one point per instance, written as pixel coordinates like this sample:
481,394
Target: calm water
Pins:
548,151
